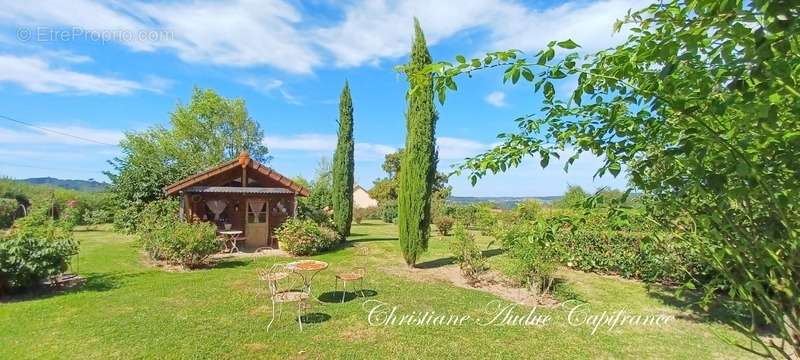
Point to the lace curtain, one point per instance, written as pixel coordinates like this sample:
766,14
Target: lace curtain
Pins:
216,207
256,205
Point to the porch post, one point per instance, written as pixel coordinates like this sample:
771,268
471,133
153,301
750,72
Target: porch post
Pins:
181,213
294,205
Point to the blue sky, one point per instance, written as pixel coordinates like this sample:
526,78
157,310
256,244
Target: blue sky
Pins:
99,68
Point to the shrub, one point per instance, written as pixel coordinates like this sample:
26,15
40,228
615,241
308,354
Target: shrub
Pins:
8,207
466,253
444,223
590,242
165,238
72,215
527,210
304,237
181,243
360,214
535,259
157,214
37,247
485,219
97,217
388,211
572,198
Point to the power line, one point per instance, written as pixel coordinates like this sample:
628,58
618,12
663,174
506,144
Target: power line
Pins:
55,131
51,168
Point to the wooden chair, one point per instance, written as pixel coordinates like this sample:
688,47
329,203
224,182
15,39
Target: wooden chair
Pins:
284,287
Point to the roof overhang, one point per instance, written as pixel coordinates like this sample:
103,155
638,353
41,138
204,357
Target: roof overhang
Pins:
237,190
243,161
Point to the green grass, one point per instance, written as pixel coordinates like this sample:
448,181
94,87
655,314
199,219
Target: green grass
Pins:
129,310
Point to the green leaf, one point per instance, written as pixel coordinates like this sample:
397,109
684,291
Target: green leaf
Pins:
461,59
614,168
527,74
549,91
568,44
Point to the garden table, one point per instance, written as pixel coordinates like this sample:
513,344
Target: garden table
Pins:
307,269
231,236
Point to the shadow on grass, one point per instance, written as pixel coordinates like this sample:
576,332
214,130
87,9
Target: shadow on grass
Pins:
373,239
336,297
370,224
91,282
492,252
315,318
435,263
432,264
366,293
230,264
720,310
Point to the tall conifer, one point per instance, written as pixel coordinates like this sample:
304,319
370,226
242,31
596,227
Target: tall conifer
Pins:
343,166
418,167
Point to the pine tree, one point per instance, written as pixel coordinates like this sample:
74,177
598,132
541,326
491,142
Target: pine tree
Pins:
343,167
418,167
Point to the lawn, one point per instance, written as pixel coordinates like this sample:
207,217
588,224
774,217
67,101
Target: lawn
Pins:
130,310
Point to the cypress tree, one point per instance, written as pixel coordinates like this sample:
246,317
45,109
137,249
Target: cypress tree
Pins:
343,166
418,166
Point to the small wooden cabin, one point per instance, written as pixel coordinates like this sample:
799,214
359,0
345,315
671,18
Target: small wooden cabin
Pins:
241,194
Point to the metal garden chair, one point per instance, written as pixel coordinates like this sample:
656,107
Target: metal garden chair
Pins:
357,273
285,287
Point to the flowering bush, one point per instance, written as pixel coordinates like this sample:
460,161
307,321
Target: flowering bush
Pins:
305,237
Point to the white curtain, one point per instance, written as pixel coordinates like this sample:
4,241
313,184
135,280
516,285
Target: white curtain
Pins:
216,207
256,205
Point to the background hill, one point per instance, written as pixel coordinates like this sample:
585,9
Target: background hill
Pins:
79,185
502,202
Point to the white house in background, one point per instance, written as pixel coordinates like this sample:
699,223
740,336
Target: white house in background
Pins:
361,198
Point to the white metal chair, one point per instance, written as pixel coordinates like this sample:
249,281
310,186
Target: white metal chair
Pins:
284,287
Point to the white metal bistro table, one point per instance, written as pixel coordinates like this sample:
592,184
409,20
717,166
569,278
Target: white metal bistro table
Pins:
231,236
307,269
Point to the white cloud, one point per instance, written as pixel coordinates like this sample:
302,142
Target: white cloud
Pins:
41,137
449,148
496,98
36,75
383,29
301,142
372,152
242,33
157,84
458,149
379,29
325,144
274,32
269,86
590,24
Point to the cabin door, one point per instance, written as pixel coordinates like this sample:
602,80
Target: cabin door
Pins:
256,219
